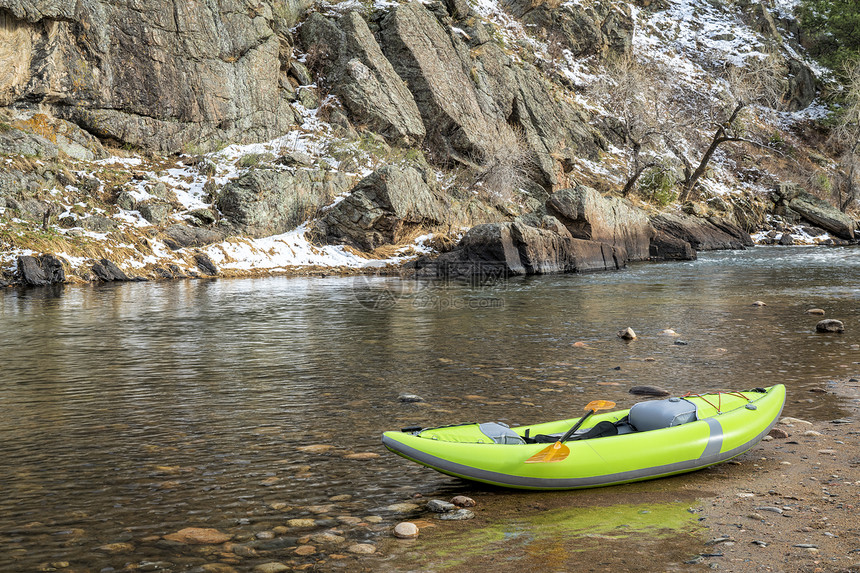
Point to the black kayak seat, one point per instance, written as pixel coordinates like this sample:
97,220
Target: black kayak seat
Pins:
600,430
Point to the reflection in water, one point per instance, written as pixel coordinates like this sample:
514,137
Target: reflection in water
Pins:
555,540
135,410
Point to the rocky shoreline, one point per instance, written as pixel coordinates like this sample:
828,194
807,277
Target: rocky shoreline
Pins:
576,230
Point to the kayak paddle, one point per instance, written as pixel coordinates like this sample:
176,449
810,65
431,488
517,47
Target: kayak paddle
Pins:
558,451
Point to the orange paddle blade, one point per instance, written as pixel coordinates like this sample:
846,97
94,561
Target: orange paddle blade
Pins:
599,405
552,453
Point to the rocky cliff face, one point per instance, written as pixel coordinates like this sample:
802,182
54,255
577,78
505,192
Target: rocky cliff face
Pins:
474,104
155,75
179,75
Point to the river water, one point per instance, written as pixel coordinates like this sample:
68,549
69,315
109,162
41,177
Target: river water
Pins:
131,411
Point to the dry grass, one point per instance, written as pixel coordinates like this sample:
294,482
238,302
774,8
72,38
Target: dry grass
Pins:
40,124
121,245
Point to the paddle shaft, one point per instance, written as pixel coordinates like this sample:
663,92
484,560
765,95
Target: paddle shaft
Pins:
558,451
575,427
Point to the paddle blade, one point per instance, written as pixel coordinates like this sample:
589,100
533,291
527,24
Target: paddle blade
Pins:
552,453
596,405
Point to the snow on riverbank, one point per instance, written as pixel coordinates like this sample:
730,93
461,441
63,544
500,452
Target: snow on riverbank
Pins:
292,249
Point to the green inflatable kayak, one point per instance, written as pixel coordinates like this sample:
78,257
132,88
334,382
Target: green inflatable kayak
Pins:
655,438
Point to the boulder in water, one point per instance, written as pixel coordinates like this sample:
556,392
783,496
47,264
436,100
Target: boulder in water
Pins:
107,271
627,334
830,325
40,271
648,391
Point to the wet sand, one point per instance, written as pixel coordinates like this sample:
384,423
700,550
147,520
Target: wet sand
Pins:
788,505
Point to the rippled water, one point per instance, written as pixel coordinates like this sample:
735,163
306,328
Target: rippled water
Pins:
128,412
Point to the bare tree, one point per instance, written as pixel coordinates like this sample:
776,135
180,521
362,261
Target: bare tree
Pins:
636,99
506,164
846,136
756,82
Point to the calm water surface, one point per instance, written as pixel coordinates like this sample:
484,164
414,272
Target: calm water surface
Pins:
131,411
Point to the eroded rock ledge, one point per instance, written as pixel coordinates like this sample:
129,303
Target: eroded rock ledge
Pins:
583,232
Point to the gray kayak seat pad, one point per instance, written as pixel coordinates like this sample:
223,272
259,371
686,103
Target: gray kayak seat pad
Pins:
500,433
658,414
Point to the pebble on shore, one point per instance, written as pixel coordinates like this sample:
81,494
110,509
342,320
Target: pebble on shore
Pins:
463,501
406,530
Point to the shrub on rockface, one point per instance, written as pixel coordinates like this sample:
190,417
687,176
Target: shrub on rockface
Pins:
658,184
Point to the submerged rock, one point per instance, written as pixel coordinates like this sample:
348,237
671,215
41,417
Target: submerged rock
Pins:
402,507
271,567
199,536
439,506
456,515
116,548
305,550
362,456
